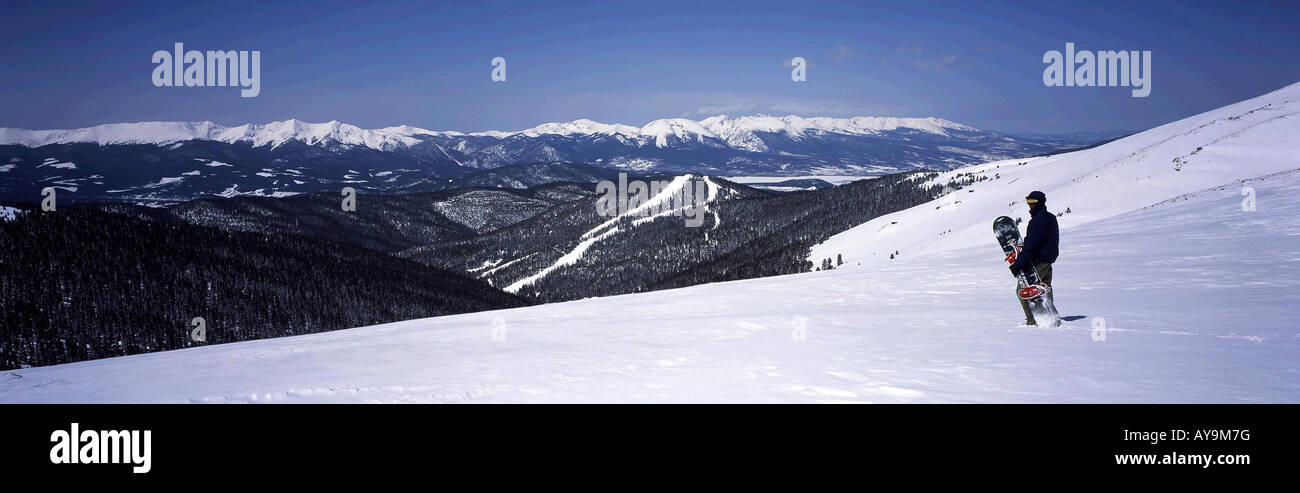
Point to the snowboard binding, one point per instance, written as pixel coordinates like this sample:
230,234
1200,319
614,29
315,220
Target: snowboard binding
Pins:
1033,291
1012,255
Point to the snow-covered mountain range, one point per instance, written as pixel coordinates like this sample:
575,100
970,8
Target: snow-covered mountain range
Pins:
739,131
171,161
160,133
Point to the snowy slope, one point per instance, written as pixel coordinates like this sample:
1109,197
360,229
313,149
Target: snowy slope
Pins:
1220,327
1252,138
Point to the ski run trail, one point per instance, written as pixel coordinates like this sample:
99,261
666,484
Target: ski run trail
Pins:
1186,295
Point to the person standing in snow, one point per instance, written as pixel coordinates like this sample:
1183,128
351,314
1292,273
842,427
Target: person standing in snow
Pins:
1042,238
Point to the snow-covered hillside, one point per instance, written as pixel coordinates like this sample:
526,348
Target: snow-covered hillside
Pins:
1198,298
1191,317
1252,138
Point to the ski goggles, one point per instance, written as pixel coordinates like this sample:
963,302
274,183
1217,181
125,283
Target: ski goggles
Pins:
1031,201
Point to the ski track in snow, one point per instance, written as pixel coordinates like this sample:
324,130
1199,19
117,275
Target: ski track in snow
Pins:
659,205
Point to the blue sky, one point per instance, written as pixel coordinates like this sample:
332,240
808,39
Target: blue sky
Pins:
427,64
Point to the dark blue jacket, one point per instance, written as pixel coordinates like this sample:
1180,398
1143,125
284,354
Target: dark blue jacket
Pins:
1042,238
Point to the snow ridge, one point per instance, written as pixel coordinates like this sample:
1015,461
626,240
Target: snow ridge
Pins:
739,132
273,134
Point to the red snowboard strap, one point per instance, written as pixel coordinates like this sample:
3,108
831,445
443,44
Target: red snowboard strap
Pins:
1032,292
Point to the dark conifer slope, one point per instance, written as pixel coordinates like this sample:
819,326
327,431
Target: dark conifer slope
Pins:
80,283
383,222
754,233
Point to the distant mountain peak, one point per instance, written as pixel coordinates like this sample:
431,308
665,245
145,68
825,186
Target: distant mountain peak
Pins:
581,126
682,129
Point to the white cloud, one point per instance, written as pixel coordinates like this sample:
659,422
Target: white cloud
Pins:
842,52
930,60
724,109
786,106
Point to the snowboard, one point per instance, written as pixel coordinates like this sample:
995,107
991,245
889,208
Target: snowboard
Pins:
1030,287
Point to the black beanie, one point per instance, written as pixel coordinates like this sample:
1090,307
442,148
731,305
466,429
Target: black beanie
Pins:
1037,195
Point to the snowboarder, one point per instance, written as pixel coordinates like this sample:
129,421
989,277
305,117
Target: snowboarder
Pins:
1042,238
